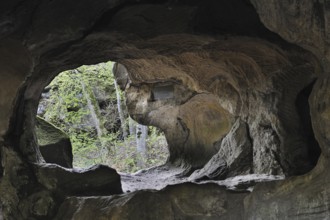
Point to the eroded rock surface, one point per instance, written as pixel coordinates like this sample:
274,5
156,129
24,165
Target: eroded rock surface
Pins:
236,150
192,68
233,158
183,201
224,81
46,185
190,136
301,22
304,197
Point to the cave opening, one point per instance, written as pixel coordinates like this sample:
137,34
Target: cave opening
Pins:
82,120
303,108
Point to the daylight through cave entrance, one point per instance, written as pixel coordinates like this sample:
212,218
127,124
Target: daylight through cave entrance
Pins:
82,120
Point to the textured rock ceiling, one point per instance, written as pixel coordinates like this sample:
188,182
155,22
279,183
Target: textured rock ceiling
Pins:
250,83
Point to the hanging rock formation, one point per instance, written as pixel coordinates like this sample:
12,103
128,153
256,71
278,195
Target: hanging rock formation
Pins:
238,77
240,83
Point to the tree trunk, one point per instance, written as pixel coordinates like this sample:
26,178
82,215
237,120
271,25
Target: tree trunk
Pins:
120,111
132,126
141,144
91,109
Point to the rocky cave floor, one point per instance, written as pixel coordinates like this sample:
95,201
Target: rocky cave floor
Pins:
157,178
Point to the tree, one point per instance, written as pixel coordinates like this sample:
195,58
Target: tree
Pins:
120,111
141,144
132,126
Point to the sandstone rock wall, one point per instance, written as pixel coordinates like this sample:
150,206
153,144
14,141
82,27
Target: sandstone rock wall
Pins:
225,64
253,80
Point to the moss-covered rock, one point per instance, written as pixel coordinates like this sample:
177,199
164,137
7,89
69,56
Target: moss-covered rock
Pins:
55,145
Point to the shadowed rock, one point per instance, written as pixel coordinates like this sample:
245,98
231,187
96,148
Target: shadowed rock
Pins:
234,157
97,180
236,150
215,169
55,145
183,201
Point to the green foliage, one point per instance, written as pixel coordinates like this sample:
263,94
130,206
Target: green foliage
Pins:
125,158
67,108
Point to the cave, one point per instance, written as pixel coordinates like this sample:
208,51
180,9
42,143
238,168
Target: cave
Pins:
240,89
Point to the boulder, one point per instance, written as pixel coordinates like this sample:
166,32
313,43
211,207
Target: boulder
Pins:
55,145
94,181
